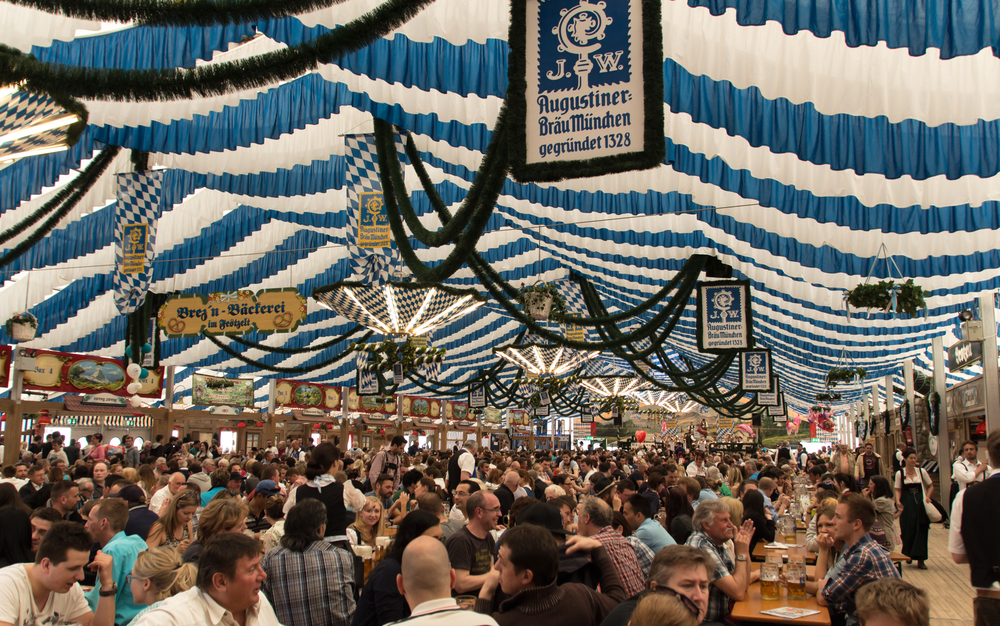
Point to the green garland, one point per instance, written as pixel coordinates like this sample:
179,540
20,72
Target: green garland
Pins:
908,299
82,185
530,295
207,80
284,370
387,354
307,349
827,397
187,13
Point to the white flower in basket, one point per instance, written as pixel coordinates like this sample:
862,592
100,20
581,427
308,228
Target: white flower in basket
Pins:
538,304
22,326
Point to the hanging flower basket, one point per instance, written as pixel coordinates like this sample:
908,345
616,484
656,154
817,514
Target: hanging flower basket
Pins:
22,326
542,302
841,375
887,296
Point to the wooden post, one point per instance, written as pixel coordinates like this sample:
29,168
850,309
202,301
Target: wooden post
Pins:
991,377
12,434
943,436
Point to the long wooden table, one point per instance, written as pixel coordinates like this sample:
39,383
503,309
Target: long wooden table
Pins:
760,552
749,610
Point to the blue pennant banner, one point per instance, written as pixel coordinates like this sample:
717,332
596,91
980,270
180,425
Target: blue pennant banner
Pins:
136,213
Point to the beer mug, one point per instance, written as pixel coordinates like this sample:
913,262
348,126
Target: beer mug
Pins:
787,524
795,574
770,586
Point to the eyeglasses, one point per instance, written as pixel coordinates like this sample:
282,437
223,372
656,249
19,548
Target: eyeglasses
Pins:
686,601
131,577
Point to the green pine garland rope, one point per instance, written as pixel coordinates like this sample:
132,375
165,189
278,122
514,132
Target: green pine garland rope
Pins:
285,370
188,13
208,80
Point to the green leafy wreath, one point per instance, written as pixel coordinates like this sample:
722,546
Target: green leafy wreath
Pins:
842,375
387,354
827,397
529,295
908,297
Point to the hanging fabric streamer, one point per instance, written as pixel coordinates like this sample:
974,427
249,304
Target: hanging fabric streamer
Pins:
374,258
136,213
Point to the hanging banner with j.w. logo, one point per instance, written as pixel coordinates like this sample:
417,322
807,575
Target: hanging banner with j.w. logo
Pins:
136,212
755,370
373,255
585,88
724,320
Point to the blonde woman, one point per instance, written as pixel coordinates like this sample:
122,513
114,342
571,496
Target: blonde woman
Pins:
811,529
157,575
370,523
665,608
734,478
175,529
131,475
222,515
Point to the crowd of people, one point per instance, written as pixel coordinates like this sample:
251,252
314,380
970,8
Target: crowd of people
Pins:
181,532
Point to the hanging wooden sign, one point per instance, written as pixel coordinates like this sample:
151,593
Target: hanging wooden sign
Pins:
303,395
80,373
585,88
233,313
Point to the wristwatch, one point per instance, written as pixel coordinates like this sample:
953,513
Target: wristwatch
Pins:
741,557
107,593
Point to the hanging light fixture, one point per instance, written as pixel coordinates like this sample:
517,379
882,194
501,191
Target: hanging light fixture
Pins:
35,123
399,308
544,359
612,386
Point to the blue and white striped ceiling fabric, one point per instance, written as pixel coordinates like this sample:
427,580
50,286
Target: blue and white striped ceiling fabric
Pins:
801,137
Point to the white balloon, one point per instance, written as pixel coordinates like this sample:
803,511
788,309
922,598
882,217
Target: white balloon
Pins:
134,369
134,387
136,401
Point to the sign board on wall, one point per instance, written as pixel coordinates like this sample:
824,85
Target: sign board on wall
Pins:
385,405
963,354
214,391
298,394
755,370
79,373
456,411
585,88
233,313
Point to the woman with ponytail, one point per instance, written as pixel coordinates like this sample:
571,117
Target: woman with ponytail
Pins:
157,575
324,462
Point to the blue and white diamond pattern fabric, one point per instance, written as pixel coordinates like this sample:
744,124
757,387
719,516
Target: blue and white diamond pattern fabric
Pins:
136,213
374,266
24,108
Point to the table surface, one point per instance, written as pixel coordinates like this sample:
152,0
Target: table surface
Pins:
749,610
760,552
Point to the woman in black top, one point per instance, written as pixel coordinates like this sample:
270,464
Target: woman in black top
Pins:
679,513
753,510
380,601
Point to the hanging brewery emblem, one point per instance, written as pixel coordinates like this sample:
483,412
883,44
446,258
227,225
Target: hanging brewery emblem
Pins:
724,320
755,370
585,88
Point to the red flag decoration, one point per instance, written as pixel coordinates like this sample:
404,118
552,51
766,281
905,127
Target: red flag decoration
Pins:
593,429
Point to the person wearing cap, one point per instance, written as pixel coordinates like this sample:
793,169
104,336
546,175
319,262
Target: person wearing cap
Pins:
140,518
257,502
573,567
236,481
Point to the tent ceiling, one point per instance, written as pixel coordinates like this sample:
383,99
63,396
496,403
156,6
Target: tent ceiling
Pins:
795,150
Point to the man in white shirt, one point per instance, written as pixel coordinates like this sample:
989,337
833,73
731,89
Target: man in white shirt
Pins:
158,503
227,591
967,469
52,581
426,581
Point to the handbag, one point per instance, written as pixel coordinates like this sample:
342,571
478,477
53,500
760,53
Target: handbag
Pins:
932,513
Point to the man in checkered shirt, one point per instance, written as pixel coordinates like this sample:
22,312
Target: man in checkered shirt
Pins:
862,561
595,521
729,580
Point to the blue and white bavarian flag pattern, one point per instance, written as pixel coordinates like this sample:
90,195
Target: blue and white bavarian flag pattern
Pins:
136,212
374,266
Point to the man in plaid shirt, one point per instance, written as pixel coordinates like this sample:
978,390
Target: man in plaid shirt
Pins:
309,582
862,561
729,580
595,521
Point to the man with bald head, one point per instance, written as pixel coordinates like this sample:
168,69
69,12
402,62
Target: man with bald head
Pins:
426,581
505,493
158,503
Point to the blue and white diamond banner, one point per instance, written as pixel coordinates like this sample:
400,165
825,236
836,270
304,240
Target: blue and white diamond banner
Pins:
724,320
136,213
374,258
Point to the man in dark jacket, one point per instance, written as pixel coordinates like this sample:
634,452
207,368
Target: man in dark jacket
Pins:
526,570
35,493
505,494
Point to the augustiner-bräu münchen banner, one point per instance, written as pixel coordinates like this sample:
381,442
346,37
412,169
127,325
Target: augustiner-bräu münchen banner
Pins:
585,88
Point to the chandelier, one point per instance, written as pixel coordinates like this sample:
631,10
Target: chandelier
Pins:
612,386
544,359
33,123
399,308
